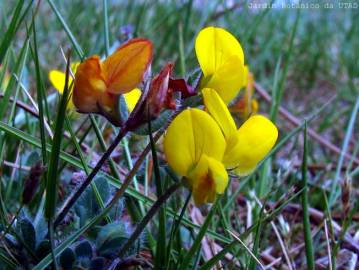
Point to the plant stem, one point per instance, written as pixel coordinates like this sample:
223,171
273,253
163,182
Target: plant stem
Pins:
153,210
90,177
306,222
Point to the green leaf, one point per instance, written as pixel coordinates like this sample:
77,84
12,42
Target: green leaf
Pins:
65,244
67,259
111,238
43,249
97,264
27,232
84,250
87,205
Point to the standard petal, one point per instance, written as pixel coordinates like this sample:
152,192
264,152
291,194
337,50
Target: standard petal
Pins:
131,98
228,79
125,68
190,135
255,138
214,46
219,111
207,179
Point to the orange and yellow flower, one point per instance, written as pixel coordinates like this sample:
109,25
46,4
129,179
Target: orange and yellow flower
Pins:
57,79
99,84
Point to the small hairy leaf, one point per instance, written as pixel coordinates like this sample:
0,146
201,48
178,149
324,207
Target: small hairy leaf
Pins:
67,258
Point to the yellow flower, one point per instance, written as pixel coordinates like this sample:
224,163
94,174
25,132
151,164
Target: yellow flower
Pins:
249,144
246,105
222,62
200,146
194,147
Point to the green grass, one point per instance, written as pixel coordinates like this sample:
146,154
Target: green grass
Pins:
301,57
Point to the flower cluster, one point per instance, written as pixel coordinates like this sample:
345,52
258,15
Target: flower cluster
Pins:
99,85
202,145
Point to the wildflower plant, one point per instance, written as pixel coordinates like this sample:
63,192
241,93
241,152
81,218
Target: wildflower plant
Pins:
152,167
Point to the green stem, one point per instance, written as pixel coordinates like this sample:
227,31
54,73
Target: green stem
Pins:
306,222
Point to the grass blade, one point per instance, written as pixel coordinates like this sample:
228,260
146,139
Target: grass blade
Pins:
6,98
40,96
278,92
257,239
52,176
67,30
106,30
9,35
197,242
305,204
334,188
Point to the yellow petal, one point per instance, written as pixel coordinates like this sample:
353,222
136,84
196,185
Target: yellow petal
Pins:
227,80
207,179
192,134
57,78
219,111
125,68
74,66
214,47
131,98
255,138
246,75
